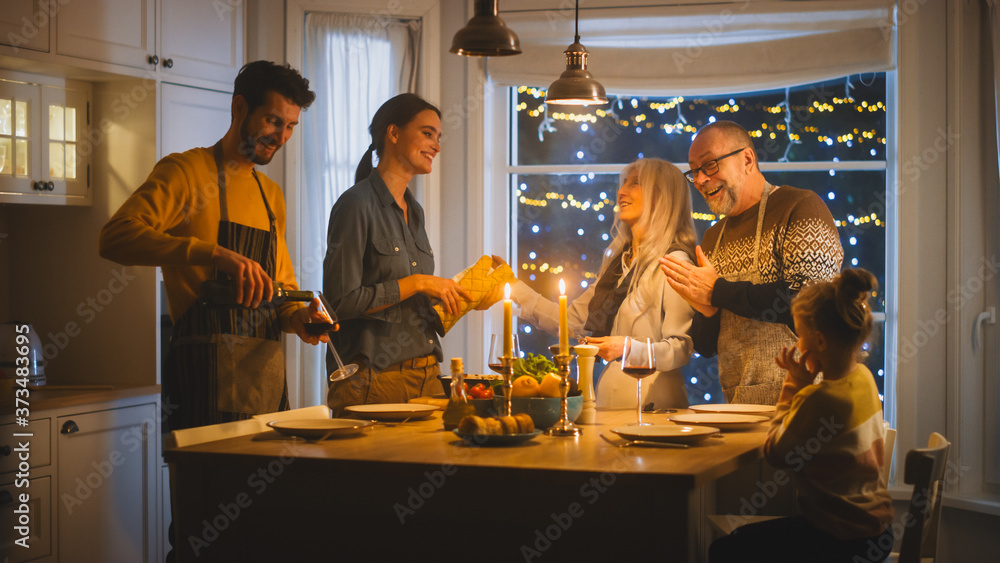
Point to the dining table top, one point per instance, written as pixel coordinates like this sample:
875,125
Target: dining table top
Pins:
425,442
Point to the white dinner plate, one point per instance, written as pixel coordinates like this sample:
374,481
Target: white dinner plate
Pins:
665,433
722,421
765,410
393,411
319,428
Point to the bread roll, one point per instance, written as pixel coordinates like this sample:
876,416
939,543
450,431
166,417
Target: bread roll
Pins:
524,423
472,424
509,424
493,426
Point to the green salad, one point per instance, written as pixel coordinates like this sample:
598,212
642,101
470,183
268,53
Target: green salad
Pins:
534,365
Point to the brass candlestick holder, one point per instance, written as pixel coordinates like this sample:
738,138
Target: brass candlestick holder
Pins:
507,372
564,427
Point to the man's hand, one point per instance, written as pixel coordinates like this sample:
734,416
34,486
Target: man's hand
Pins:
252,284
312,314
693,283
608,347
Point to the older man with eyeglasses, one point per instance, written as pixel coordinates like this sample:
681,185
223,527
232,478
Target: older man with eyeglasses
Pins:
769,242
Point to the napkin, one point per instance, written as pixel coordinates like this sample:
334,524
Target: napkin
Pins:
480,280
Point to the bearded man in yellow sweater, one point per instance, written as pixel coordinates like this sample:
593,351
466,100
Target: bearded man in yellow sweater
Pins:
210,220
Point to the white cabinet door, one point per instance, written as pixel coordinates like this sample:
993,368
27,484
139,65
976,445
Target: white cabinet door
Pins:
39,510
192,117
107,471
113,31
44,143
25,24
201,39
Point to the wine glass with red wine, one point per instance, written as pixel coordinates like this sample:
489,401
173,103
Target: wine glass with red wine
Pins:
638,361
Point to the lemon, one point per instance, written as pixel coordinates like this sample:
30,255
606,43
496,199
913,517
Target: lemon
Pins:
550,385
525,386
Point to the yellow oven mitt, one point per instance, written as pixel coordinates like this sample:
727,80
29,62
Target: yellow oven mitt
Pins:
480,279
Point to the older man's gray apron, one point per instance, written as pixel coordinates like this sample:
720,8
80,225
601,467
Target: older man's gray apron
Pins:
747,347
225,361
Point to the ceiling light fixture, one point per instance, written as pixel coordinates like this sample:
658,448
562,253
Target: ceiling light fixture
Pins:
576,86
486,35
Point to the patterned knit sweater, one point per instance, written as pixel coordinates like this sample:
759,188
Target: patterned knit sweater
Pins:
831,434
799,245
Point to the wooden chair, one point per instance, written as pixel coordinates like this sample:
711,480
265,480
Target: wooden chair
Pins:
318,411
724,524
924,469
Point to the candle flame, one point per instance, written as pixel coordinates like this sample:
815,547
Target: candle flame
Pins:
506,291
562,287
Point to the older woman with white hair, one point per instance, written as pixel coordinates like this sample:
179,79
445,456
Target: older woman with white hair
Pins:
630,298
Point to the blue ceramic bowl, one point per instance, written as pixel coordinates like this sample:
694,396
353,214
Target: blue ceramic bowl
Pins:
544,411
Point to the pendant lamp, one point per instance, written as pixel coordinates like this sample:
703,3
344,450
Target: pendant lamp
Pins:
486,35
576,85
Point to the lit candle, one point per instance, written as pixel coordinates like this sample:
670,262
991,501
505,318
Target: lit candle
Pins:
508,323
563,321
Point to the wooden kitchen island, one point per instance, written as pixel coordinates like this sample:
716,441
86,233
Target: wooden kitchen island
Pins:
416,491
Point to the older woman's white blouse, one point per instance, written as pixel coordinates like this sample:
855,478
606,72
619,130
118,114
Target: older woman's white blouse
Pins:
652,310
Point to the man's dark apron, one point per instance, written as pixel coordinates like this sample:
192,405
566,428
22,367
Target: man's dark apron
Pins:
747,372
226,362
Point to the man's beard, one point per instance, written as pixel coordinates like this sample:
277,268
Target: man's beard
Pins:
724,205
248,147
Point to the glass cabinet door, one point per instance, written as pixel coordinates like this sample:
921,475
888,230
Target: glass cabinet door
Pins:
44,157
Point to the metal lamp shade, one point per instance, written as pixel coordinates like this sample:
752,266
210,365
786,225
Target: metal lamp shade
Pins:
486,35
576,85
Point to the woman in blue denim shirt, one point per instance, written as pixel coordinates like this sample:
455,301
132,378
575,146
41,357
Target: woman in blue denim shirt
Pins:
379,265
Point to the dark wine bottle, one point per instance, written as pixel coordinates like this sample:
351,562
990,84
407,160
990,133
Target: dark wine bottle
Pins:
214,292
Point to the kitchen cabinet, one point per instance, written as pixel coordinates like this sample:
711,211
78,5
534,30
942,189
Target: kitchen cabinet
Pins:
24,24
44,140
171,38
93,477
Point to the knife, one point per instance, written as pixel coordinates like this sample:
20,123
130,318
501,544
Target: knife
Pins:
643,443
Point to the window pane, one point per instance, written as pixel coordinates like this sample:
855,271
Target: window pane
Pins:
70,124
56,123
56,160
70,161
836,121
21,119
21,157
6,157
5,106
839,119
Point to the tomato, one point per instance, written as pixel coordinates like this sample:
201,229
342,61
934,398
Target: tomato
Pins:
477,391
488,393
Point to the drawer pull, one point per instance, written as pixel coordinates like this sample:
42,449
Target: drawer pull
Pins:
69,427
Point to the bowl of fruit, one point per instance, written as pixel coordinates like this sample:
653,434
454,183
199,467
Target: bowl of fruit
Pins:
488,381
540,399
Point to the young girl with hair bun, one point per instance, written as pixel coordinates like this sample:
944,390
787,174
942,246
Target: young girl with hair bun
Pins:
829,433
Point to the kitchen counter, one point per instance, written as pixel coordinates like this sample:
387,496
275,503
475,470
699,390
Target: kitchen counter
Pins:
49,397
417,490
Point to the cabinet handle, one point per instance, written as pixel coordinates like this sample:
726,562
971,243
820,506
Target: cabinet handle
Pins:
168,63
5,450
153,60
50,186
69,427
37,186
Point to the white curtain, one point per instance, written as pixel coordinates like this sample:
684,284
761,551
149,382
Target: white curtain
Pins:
354,63
705,48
